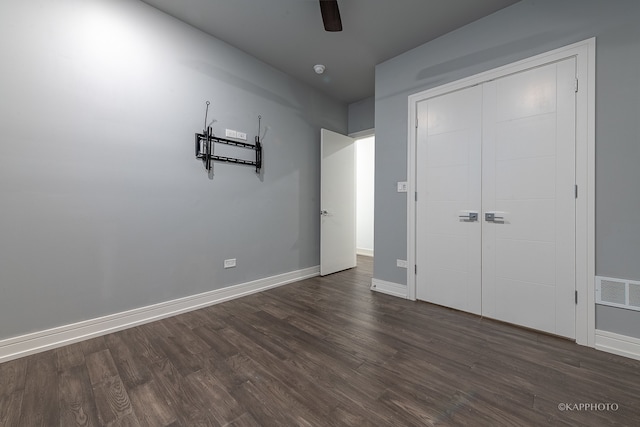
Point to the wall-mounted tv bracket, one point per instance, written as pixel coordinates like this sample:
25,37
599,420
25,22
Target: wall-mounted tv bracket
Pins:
205,146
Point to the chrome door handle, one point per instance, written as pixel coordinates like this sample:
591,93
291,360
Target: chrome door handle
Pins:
494,216
468,216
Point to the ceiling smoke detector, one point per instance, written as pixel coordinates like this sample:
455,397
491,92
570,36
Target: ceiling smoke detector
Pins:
319,68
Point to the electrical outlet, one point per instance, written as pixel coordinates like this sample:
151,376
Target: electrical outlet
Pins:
402,263
231,133
241,135
229,263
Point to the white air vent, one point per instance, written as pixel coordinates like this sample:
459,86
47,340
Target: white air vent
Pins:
618,293
613,292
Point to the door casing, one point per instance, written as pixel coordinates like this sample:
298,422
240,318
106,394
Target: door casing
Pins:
584,52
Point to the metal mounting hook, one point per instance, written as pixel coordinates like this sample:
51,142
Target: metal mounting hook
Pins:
259,127
206,113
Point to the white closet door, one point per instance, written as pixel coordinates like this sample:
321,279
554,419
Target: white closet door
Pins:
528,271
448,249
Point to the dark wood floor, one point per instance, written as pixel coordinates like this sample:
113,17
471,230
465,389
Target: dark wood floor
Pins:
321,352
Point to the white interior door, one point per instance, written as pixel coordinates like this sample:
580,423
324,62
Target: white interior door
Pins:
449,181
504,148
337,202
528,275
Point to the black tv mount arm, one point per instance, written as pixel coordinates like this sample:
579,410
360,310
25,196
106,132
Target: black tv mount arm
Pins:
204,147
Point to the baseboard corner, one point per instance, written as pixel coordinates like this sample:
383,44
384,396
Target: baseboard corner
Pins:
621,345
389,288
364,252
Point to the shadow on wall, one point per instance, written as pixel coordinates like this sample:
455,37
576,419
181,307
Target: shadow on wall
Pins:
233,80
445,72
304,105
491,54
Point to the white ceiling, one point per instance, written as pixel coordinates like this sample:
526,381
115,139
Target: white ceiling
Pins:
289,35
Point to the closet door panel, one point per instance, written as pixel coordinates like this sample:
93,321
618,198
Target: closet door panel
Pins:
528,163
448,182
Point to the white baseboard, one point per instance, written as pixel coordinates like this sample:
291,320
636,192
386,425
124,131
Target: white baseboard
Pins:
365,252
24,345
621,345
389,288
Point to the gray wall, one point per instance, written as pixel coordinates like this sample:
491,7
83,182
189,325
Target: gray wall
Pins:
104,207
523,30
362,115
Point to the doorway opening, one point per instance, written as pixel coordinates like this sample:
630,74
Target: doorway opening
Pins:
365,177
344,185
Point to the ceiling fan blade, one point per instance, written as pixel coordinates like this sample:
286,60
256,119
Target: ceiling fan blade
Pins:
331,15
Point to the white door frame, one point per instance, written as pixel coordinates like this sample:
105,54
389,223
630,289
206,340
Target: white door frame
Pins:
584,52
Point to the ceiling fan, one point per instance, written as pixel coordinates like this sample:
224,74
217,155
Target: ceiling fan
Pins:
330,15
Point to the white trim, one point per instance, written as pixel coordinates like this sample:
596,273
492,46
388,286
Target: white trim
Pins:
621,345
364,252
363,133
585,172
36,342
389,288
585,205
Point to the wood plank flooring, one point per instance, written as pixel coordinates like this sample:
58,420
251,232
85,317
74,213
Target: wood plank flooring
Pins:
321,352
